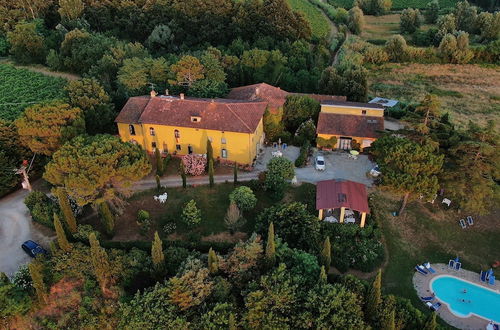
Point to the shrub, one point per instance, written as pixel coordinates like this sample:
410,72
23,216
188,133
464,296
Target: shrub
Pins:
191,214
233,218
410,20
396,48
375,55
305,133
41,207
144,220
303,155
243,197
83,232
169,228
279,170
194,164
330,143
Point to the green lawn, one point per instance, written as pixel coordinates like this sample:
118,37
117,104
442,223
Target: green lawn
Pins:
319,24
427,232
20,88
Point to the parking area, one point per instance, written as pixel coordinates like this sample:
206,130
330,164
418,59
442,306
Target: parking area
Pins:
338,166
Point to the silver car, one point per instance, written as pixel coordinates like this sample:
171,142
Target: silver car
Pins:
319,163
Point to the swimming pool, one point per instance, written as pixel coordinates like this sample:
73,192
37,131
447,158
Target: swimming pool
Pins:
476,299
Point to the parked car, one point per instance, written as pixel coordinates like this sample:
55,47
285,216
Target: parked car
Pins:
33,248
319,163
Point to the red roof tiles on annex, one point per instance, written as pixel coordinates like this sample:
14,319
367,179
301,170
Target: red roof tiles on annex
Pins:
327,195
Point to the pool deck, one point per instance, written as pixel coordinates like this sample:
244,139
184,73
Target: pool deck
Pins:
422,285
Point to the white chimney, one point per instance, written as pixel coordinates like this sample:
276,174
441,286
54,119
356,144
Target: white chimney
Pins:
181,95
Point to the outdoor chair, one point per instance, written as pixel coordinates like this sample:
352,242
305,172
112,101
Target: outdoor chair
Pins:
463,224
470,221
446,201
421,271
427,298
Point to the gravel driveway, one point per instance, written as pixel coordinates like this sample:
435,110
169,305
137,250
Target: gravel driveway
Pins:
15,228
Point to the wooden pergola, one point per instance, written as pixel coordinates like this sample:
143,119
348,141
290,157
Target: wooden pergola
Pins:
343,195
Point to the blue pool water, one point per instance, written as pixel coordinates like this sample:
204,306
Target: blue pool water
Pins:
477,300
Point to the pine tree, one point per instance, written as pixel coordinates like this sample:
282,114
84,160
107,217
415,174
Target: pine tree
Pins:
36,272
431,324
211,172
326,254
271,246
100,262
61,235
159,162
210,151
69,217
183,175
107,218
322,275
213,262
374,297
235,173
191,214
157,252
158,183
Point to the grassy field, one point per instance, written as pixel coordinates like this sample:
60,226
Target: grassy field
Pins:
428,232
397,4
319,24
20,87
467,92
380,27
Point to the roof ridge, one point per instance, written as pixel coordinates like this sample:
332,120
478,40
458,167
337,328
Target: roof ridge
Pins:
234,113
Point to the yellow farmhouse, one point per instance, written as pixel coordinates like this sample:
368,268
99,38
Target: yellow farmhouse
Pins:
180,126
349,123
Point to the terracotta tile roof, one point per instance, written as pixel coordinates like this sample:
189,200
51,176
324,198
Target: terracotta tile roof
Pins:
349,125
132,110
274,96
353,104
216,114
334,194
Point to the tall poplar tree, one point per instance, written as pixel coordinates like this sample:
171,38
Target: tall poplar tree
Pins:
213,262
61,235
374,298
100,263
326,254
69,217
210,151
271,246
183,174
159,162
157,252
211,172
36,272
107,218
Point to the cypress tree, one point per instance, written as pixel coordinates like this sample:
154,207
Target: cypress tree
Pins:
326,254
271,246
210,151
322,275
183,175
213,262
159,162
235,173
61,235
36,272
157,252
158,183
389,322
100,262
69,217
431,324
374,297
107,218
211,172
232,322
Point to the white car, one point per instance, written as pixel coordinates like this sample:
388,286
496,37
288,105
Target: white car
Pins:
319,163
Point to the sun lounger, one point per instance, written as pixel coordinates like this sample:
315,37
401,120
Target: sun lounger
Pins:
492,280
427,298
458,265
496,327
463,224
451,264
421,271
436,306
429,268
470,221
483,276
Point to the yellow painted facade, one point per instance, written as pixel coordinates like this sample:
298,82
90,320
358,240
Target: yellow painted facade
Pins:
348,110
241,148
363,141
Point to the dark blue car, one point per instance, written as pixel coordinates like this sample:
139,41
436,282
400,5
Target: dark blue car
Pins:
33,249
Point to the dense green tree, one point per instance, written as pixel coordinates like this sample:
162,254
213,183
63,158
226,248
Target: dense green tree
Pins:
446,25
161,39
326,254
100,263
298,109
191,214
190,288
36,272
187,71
89,95
356,20
66,210
243,197
465,16
157,252
410,20
279,170
429,109
374,7
44,128
71,9
431,323
270,245
350,80
396,48
455,49
27,44
294,224
213,262
97,168
374,298
408,167
61,235
137,74
208,89
489,25
431,12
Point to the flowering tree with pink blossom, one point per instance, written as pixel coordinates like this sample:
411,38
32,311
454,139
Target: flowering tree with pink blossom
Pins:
194,164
